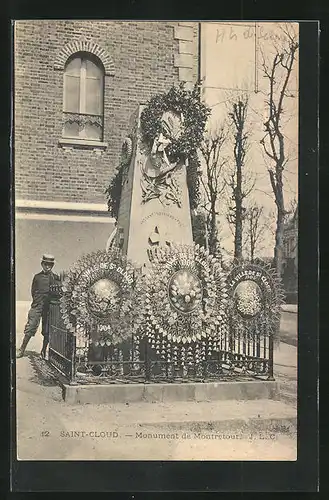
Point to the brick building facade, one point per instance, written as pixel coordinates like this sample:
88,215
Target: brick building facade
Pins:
76,85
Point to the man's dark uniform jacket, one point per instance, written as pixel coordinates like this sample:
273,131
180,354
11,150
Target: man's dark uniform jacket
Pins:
41,295
40,289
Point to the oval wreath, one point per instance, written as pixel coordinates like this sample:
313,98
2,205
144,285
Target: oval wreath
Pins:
97,297
255,298
183,299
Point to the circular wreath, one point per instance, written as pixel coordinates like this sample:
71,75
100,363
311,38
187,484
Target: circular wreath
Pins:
255,297
97,297
183,298
183,102
194,113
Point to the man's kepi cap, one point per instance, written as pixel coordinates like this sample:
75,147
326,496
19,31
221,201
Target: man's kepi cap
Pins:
48,259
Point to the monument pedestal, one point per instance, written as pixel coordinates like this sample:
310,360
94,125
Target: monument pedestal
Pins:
167,393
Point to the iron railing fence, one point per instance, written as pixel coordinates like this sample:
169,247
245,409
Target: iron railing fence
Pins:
61,342
135,361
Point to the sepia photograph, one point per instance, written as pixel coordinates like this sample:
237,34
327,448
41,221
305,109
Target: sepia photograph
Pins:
156,240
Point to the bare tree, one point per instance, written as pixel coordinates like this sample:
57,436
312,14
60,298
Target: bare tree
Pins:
292,207
254,228
212,182
240,180
278,73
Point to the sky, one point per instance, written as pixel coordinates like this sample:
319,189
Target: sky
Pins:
231,62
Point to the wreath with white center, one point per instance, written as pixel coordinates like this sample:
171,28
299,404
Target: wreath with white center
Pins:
183,298
98,297
255,297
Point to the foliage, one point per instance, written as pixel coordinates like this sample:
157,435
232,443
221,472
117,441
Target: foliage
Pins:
115,187
186,103
114,191
290,275
193,180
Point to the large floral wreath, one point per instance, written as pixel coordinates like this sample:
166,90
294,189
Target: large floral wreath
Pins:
194,113
255,298
183,299
187,104
97,297
183,102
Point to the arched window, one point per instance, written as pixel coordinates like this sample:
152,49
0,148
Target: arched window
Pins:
83,97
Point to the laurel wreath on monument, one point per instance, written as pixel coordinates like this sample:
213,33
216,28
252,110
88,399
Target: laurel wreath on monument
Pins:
194,113
183,299
183,102
97,297
255,298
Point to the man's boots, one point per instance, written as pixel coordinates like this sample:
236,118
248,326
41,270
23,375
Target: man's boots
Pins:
20,352
44,348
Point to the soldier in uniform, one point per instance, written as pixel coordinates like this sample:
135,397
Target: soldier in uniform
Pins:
40,291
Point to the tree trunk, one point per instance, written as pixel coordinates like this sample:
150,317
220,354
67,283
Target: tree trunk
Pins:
212,232
252,242
238,230
239,120
278,261
278,250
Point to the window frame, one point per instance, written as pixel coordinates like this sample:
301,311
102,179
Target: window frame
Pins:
83,96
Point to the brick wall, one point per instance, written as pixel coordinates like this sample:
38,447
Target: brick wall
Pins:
145,58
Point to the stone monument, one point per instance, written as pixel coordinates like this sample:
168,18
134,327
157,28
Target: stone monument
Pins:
154,208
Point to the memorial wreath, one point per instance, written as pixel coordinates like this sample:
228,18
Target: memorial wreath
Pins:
183,299
97,297
194,114
255,298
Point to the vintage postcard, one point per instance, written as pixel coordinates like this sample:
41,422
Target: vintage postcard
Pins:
156,240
